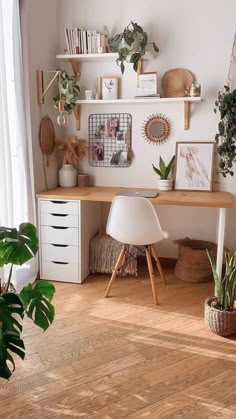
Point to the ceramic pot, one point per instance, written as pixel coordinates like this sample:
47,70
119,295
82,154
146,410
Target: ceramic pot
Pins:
165,184
67,176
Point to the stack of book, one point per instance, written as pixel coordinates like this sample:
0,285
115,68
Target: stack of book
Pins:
86,42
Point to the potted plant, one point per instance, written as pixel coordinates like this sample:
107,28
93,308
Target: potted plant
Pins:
33,301
130,45
68,92
165,183
220,312
72,149
226,135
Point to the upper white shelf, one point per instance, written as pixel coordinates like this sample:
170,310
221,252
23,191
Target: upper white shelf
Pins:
109,56
139,100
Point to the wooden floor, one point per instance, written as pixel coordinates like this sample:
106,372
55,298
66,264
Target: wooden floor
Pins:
123,357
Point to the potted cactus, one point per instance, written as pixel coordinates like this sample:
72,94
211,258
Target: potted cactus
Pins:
220,311
164,171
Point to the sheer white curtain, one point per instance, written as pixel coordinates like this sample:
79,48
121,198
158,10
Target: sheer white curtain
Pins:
16,186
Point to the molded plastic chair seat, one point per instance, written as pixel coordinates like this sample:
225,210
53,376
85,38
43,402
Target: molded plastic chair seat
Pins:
134,221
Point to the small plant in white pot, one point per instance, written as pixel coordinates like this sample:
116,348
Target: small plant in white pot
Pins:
164,171
220,311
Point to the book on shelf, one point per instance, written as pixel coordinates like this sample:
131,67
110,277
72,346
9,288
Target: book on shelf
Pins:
85,41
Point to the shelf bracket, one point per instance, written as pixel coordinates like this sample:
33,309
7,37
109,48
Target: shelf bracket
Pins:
75,66
77,116
186,115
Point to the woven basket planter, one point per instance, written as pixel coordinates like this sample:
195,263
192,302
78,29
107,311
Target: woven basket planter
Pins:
222,323
193,264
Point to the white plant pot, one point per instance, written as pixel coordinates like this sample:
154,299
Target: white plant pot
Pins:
67,176
165,184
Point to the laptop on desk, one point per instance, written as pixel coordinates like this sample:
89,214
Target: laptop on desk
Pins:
144,194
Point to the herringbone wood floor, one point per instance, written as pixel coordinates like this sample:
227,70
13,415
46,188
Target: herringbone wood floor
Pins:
123,357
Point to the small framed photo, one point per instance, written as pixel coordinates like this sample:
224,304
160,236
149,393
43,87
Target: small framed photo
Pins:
194,166
109,88
98,151
147,84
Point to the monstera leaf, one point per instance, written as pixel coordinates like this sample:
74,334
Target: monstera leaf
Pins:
10,328
18,246
37,303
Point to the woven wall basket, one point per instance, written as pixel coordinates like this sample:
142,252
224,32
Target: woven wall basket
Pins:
193,264
222,323
177,82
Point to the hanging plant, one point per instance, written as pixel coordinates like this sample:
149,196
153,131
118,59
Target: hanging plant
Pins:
68,91
226,135
131,45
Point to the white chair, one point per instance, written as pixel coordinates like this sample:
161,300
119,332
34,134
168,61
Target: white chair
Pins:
133,220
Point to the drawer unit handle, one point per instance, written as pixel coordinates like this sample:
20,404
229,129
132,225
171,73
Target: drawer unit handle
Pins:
59,215
60,245
59,202
60,263
60,228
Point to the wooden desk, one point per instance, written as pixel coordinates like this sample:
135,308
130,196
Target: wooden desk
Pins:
220,200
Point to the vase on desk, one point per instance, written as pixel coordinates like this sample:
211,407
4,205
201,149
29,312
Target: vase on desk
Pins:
165,184
67,176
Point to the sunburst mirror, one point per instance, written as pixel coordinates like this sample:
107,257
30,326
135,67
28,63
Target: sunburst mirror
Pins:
156,129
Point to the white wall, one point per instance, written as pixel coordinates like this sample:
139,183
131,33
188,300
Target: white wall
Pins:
39,27
194,35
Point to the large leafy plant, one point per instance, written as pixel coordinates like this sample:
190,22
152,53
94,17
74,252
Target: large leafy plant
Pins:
68,91
164,170
225,288
34,301
226,135
130,45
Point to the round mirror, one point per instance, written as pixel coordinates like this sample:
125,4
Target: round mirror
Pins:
156,129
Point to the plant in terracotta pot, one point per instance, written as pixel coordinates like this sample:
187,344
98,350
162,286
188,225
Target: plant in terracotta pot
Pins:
226,135
131,45
73,150
164,171
220,312
33,301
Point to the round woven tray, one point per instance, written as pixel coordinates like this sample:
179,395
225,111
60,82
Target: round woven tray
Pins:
222,323
177,82
193,264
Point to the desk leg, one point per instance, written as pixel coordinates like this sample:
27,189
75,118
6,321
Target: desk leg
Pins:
220,241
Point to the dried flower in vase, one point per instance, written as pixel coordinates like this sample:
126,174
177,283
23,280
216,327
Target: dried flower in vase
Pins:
72,148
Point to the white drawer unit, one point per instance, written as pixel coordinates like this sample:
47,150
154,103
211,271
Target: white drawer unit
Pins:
65,230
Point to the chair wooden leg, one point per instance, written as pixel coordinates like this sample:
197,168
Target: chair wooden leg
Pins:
151,274
114,273
123,260
154,253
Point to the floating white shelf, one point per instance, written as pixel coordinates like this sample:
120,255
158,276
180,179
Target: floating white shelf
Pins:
139,100
109,56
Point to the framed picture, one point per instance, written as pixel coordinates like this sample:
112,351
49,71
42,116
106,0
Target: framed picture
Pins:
194,166
147,84
109,88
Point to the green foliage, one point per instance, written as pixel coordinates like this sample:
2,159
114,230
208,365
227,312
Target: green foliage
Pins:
68,91
226,135
131,45
164,170
17,247
226,288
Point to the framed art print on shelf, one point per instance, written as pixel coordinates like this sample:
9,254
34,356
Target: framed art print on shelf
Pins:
194,166
109,88
147,84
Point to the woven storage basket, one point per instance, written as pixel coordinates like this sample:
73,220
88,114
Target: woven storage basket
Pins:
193,264
222,323
177,82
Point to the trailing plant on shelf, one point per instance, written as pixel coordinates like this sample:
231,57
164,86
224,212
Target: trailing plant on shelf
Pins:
164,170
68,91
226,135
131,45
33,301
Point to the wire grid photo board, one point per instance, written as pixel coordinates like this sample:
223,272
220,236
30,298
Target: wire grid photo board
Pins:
110,139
